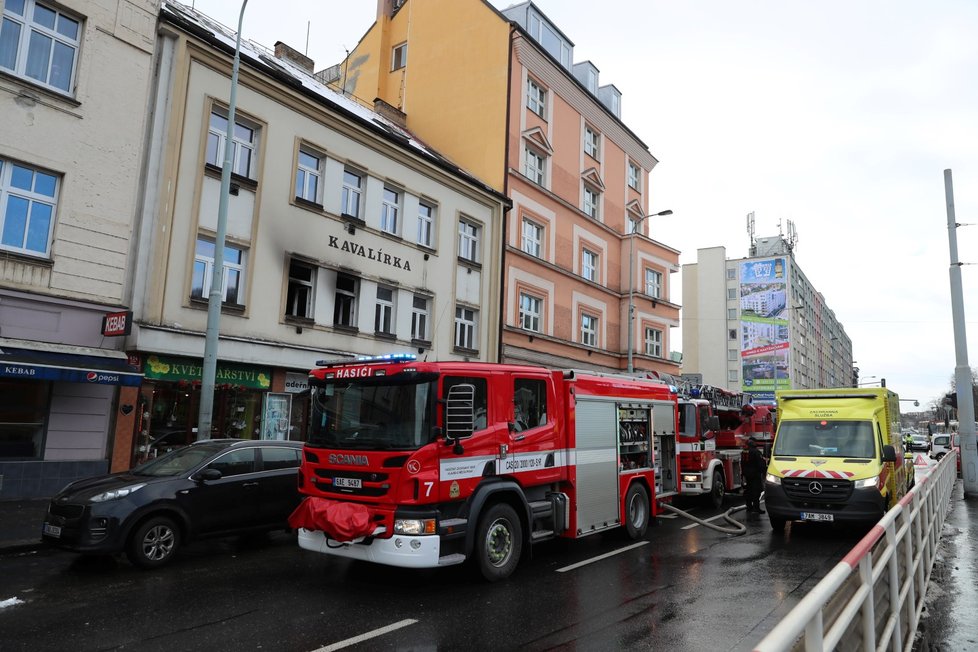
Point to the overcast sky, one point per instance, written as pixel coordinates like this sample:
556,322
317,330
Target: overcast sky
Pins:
839,115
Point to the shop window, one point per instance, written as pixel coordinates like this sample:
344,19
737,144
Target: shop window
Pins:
23,413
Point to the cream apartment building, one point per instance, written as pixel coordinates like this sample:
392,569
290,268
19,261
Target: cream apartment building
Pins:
347,236
74,82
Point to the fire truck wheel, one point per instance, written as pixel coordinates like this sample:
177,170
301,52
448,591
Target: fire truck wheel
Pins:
717,490
498,542
636,511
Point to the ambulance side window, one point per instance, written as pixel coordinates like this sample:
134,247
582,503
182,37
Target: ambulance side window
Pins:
529,403
480,404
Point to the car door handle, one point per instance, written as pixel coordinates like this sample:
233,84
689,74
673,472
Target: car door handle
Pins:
519,437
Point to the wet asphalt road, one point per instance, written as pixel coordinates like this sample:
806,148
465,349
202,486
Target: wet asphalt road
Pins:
685,589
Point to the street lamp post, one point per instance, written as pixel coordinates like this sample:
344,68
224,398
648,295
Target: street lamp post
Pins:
631,283
216,295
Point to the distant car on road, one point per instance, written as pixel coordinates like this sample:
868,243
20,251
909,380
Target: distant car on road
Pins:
215,487
919,442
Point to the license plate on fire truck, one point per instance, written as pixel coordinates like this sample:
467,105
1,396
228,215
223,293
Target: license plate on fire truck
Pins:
348,483
816,516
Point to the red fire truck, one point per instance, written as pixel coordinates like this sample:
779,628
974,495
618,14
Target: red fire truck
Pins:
714,426
427,464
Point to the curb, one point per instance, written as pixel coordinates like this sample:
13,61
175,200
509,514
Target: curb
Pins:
20,545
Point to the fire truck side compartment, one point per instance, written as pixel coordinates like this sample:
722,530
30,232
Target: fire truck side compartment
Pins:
597,464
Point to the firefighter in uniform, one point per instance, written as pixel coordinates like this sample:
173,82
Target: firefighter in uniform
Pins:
754,471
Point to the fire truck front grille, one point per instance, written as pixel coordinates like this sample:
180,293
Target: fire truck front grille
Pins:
352,483
817,490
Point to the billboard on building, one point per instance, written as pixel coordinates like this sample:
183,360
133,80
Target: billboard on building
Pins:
764,326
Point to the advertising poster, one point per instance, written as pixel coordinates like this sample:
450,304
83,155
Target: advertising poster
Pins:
764,327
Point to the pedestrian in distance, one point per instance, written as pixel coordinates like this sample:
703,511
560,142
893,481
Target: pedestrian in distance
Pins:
754,470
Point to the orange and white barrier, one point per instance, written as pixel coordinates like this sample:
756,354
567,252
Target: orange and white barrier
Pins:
887,570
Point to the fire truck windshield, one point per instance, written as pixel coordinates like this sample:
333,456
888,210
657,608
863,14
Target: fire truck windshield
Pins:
378,413
819,438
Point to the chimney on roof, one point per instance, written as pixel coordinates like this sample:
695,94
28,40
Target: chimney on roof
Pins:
283,51
390,112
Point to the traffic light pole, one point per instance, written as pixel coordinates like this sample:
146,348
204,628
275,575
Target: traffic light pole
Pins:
962,371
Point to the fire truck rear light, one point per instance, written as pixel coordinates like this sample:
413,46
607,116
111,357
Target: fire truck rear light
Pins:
415,526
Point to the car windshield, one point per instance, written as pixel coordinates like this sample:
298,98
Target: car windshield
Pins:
179,461
825,439
378,413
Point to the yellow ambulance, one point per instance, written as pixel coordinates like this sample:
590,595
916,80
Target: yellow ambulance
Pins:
837,457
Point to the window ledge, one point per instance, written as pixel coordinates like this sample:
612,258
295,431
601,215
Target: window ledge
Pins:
421,344
353,330
381,335
471,264
305,203
461,350
228,308
25,258
301,321
353,218
216,171
33,87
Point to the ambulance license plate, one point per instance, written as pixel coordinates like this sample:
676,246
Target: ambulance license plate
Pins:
815,516
348,483
52,530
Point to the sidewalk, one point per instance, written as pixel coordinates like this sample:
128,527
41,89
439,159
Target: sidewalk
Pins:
20,524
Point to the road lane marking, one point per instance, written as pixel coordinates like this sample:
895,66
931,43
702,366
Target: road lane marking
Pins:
367,636
600,557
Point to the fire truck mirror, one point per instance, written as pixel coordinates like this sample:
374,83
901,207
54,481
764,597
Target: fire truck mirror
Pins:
460,411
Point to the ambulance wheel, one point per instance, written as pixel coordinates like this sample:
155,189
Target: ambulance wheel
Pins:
636,511
498,542
717,490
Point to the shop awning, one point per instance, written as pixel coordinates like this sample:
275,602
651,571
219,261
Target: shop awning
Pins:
65,363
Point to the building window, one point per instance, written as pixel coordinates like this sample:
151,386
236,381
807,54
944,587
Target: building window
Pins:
345,304
532,238
420,312
732,334
23,416
592,202
426,224
731,273
468,241
308,175
465,328
536,98
244,143
732,355
302,286
653,342
40,43
384,313
732,294
535,167
232,290
732,375
589,265
631,225
530,309
28,200
592,143
399,56
589,330
389,210
653,283
352,191
731,313
634,177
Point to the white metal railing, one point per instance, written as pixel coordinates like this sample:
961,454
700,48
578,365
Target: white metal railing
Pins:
872,600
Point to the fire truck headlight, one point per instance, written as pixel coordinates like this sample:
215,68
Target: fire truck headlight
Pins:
692,477
868,482
414,526
773,479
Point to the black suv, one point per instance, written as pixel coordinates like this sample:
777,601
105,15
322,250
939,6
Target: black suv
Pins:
210,488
